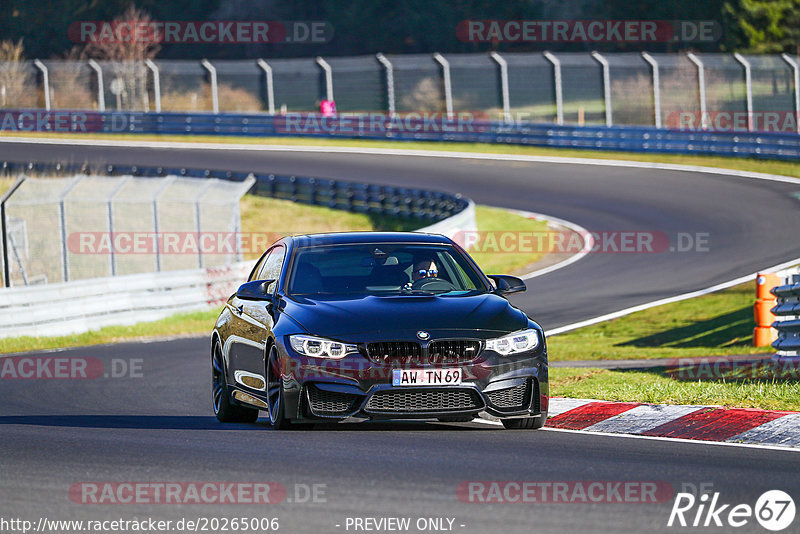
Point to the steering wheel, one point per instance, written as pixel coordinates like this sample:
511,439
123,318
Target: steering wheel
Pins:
432,284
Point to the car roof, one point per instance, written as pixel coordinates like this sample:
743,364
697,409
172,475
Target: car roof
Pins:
351,238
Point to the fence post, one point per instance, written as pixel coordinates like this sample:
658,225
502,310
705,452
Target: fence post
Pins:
45,81
701,86
328,77
156,194
503,85
558,87
748,87
209,183
212,72
110,215
796,71
606,86
156,82
101,96
62,217
656,89
389,82
4,227
448,90
270,88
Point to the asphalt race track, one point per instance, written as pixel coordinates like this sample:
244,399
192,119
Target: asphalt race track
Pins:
156,425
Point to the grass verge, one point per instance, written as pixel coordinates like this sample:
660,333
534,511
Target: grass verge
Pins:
655,386
717,324
784,168
175,325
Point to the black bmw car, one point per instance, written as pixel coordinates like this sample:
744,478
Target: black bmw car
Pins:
368,325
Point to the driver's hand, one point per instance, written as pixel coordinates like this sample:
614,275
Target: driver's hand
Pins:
407,287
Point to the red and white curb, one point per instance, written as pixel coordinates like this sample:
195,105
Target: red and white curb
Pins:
705,423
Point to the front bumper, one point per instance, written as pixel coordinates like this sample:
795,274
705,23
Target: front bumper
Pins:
356,387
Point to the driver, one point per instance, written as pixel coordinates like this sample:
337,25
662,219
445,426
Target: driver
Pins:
425,268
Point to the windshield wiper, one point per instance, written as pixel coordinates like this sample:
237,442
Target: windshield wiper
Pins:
404,291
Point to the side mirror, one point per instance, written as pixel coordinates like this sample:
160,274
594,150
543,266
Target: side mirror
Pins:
507,284
255,290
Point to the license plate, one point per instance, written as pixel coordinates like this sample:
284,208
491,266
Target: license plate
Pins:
426,377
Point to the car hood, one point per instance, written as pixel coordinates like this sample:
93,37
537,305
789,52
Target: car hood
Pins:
341,316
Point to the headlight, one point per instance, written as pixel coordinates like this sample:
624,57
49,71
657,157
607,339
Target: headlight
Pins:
319,347
521,341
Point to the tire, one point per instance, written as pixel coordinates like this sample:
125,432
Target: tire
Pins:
457,419
277,415
224,409
524,423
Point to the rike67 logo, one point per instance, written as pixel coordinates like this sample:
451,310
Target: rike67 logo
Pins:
774,510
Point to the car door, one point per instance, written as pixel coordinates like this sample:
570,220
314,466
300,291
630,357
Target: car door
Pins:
252,321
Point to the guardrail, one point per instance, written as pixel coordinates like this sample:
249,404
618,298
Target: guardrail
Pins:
788,310
413,127
427,206
73,307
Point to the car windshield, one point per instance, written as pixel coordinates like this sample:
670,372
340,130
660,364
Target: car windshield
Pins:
383,269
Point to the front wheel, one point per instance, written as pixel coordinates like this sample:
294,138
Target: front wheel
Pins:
224,409
277,417
524,423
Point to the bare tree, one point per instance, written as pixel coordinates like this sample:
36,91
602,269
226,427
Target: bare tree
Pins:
16,78
127,51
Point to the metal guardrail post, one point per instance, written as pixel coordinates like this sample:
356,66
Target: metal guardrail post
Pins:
792,62
558,86
390,104
701,86
788,325
156,82
212,72
656,89
503,85
448,90
270,87
4,228
328,77
748,86
606,86
101,95
45,81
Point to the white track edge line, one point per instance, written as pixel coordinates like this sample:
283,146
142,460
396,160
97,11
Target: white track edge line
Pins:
466,155
404,152
669,300
588,241
656,438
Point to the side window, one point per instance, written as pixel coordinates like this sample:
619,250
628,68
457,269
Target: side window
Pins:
259,267
271,269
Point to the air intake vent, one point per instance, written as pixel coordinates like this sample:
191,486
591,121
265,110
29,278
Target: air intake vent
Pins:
331,403
421,401
509,399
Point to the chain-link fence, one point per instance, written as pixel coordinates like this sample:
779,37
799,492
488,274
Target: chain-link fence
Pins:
65,229
714,91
